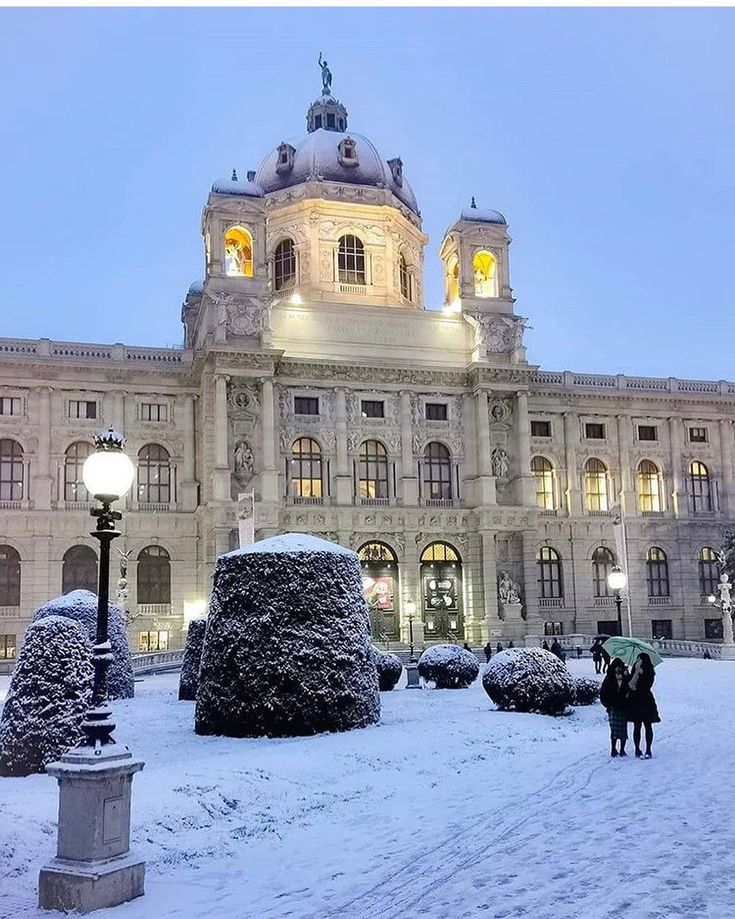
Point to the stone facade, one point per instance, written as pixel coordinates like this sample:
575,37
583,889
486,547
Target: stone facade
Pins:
317,344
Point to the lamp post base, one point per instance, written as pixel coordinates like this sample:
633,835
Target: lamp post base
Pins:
412,677
71,886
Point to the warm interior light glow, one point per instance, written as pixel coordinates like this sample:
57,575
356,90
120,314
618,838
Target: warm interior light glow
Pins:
109,473
617,579
194,609
452,280
484,272
453,307
238,253
296,299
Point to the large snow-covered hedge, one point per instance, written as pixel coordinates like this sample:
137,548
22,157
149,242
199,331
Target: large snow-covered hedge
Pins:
287,648
81,606
389,669
448,666
585,691
189,679
528,680
48,697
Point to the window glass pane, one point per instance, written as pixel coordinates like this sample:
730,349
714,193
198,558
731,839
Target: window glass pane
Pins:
436,411
304,405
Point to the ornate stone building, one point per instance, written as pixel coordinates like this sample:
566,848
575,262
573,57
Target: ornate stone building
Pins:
474,485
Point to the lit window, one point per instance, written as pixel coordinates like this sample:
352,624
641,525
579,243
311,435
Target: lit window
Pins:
649,491
452,280
7,647
82,408
602,561
11,471
79,570
595,485
9,576
709,572
405,278
437,472
484,268
700,487
149,642
373,470
238,253
306,469
154,575
436,411
351,260
540,429
153,411
74,458
284,265
543,474
549,573
10,405
657,573
372,408
154,475
306,405
440,552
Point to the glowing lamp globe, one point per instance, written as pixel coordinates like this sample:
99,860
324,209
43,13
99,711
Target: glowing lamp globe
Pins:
410,607
617,579
712,598
108,472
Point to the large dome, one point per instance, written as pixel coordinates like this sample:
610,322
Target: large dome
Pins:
317,157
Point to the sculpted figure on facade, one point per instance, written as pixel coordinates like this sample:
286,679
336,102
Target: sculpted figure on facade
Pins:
500,462
497,334
509,591
244,461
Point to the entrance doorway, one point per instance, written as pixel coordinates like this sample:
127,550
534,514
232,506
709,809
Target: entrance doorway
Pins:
380,588
607,627
441,582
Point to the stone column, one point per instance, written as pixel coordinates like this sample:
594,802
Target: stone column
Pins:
571,439
526,491
343,479
492,628
679,498
410,586
42,479
269,475
221,473
727,452
409,470
189,485
627,491
485,491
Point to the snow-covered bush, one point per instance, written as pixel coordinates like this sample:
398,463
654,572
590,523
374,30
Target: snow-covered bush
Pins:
585,691
189,679
528,680
389,668
287,648
81,606
448,666
48,697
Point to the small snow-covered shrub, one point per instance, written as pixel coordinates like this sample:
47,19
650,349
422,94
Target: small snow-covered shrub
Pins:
528,680
585,691
287,648
448,666
389,668
48,697
81,606
189,679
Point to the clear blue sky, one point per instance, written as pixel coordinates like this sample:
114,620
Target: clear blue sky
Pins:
605,136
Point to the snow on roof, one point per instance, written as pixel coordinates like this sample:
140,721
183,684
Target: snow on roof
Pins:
291,543
483,215
197,287
237,187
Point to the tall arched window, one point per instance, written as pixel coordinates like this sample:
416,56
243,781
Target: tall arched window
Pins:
550,581
351,260
602,561
437,472
595,485
79,570
543,474
238,253
700,487
380,587
657,572
442,588
154,575
373,470
306,469
154,475
9,576
74,458
284,265
649,491
452,280
709,572
405,278
11,470
484,269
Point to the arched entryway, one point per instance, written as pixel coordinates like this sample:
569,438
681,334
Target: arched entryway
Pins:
79,570
380,587
441,592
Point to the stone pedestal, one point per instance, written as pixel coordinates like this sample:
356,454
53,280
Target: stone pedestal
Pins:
727,653
412,677
514,628
93,867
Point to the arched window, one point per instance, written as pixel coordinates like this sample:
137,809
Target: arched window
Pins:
154,475
441,580
595,485
74,458
657,573
373,470
405,278
351,260
649,491
154,575
440,552
543,474
380,587
79,570
284,265
709,572
11,470
484,271
9,576
549,573
238,253
452,280
306,469
701,489
437,472
602,561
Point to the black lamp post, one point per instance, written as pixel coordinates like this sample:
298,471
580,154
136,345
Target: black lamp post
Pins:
411,610
617,579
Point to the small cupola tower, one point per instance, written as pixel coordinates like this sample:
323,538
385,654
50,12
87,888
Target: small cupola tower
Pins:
326,112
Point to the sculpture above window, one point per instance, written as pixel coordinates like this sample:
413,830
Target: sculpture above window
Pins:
238,253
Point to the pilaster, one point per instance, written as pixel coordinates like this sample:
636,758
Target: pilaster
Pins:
221,472
727,452
571,440
627,492
189,487
42,480
269,474
485,487
680,503
343,480
526,491
409,474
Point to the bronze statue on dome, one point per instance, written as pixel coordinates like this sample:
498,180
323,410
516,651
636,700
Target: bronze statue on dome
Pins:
326,77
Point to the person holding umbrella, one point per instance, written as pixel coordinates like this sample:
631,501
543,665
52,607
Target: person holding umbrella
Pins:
614,695
642,708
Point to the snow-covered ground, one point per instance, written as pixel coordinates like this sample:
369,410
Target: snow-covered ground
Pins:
447,809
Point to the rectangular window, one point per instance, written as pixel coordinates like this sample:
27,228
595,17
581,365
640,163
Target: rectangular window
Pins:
540,429
593,430
330,120
153,411
553,628
647,432
436,411
713,629
306,405
7,647
9,405
80,408
152,641
373,409
607,627
662,629
698,435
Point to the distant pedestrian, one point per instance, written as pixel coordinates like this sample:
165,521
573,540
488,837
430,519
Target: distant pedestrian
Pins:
467,647
596,652
545,645
707,656
613,695
642,709
498,648
488,649
557,649
511,645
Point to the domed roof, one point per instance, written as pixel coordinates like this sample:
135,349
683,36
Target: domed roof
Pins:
483,215
317,157
235,186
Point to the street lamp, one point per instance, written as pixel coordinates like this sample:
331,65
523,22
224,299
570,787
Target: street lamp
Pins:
412,672
724,603
617,580
94,867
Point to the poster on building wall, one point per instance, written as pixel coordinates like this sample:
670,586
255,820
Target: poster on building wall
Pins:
246,518
379,592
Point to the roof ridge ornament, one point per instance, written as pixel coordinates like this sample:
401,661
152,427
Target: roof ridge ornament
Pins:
326,76
473,204
234,175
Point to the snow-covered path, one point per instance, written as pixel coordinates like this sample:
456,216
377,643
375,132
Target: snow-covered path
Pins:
447,809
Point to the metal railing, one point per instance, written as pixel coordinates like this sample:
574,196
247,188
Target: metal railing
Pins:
157,660
667,647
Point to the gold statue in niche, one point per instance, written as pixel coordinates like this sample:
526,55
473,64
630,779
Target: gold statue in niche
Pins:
484,269
238,253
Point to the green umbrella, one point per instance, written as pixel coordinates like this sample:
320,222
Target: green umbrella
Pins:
628,649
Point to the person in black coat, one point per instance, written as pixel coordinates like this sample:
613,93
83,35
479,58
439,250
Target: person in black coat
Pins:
614,697
642,709
545,645
498,648
557,649
488,649
596,652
